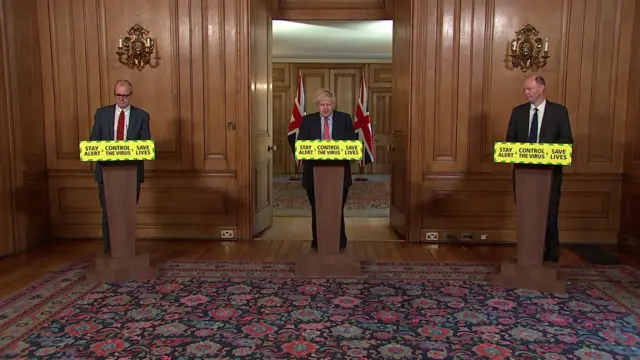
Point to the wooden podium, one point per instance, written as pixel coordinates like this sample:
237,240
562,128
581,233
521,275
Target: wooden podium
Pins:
119,173
328,179
533,189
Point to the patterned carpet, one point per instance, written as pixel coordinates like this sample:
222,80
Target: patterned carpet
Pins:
259,311
366,198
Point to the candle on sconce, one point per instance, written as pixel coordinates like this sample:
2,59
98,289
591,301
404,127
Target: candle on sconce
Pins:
514,45
148,42
546,44
120,43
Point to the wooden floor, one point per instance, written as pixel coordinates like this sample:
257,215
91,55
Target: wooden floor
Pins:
18,270
357,229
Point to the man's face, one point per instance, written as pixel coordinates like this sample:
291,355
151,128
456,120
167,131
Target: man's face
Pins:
122,93
532,91
325,107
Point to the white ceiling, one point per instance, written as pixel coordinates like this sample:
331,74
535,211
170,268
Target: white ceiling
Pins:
332,41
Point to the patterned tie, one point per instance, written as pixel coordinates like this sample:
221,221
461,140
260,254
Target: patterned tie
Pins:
120,132
533,132
326,133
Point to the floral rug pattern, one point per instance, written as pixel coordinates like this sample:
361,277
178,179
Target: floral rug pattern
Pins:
261,311
366,199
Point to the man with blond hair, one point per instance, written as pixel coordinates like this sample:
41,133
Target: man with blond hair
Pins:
326,124
542,121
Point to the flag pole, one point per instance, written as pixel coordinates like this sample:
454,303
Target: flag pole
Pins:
296,176
361,177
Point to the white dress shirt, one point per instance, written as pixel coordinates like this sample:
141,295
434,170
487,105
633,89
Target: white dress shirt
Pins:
540,115
127,111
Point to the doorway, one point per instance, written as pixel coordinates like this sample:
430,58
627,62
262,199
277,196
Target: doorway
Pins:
334,54
346,57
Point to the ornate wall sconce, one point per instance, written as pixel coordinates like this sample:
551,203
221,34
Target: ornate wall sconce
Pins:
527,50
135,50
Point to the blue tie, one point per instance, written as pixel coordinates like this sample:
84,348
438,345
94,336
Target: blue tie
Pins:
533,132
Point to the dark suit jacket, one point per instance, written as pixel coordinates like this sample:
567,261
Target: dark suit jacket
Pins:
103,130
311,129
556,128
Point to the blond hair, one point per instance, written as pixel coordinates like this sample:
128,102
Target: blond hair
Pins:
325,94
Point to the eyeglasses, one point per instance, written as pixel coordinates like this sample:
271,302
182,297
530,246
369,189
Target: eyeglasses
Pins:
124,96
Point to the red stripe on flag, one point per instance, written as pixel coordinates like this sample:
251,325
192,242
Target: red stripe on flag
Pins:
297,113
362,125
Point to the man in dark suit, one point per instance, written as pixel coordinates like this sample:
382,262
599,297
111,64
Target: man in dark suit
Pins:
120,121
326,124
542,121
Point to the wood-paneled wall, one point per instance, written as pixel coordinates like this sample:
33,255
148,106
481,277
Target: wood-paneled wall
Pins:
344,81
24,218
630,225
198,98
463,95
7,229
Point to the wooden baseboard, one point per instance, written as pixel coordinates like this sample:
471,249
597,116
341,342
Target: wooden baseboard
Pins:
596,237
187,232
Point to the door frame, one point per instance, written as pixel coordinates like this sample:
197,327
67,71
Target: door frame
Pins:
412,150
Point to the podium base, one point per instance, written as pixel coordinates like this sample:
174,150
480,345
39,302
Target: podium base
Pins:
543,278
109,269
327,265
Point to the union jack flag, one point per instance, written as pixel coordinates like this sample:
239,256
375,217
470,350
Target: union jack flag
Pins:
297,113
362,125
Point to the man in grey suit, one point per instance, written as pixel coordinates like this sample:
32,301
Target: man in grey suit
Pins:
120,121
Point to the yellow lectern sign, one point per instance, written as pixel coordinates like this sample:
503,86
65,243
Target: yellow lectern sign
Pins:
328,150
120,150
532,153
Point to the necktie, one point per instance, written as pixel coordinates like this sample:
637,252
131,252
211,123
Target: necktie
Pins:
533,132
120,132
326,133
